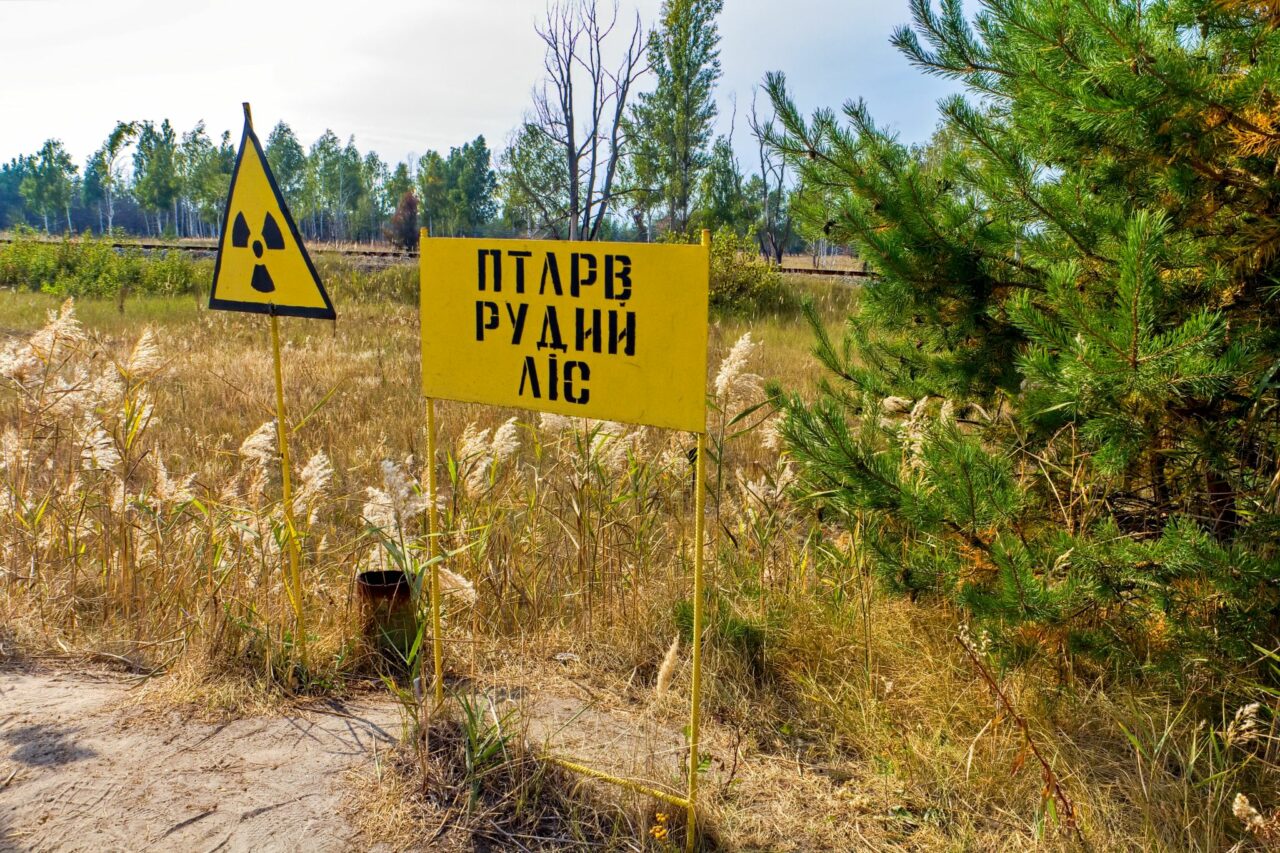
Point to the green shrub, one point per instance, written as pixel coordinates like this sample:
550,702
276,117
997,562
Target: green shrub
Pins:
94,268
174,273
743,637
741,280
346,281
28,264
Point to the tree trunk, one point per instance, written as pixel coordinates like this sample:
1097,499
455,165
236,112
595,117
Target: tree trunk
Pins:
574,200
1222,504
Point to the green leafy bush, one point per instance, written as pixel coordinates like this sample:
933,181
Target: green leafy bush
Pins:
91,267
345,280
741,279
173,273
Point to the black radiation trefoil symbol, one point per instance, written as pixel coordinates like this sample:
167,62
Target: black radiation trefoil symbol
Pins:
273,239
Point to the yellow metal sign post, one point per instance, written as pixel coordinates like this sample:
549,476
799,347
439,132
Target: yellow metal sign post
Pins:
433,553
263,268
433,545
695,689
614,331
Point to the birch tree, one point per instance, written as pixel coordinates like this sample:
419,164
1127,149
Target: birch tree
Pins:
107,168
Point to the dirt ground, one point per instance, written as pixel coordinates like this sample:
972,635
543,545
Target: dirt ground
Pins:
85,765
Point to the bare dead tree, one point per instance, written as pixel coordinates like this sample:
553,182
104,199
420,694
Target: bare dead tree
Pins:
775,227
581,103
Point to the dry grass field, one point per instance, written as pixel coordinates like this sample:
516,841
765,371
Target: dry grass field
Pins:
140,485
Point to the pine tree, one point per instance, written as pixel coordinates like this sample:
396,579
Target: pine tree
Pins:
1058,405
12,204
402,230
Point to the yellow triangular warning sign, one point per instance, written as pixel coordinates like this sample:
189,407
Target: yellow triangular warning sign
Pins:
262,265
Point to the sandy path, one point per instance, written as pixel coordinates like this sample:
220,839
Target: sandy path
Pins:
80,769
83,768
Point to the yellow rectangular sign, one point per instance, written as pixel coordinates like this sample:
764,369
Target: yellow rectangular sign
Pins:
615,331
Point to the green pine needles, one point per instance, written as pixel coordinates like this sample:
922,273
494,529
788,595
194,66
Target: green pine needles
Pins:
1059,404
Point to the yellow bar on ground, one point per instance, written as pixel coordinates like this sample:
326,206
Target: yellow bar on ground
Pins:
629,784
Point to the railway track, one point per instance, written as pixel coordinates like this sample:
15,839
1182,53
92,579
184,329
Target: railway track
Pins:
209,247
840,273
372,256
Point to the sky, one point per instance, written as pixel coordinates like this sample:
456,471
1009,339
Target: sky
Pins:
403,76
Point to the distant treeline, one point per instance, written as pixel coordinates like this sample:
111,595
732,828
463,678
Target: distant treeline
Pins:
148,179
